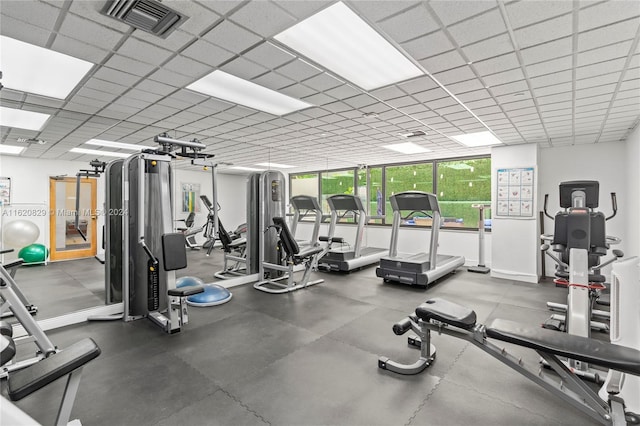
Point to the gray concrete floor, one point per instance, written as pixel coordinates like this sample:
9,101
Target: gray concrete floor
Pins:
306,358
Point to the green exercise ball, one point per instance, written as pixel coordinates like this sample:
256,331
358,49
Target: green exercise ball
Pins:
33,253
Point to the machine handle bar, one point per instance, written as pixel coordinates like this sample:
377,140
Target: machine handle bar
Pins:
614,205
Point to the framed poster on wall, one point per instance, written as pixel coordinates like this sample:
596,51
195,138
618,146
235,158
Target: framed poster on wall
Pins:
5,191
190,196
515,192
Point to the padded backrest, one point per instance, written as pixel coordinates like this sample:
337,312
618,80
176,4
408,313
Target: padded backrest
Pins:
289,243
190,219
224,237
174,251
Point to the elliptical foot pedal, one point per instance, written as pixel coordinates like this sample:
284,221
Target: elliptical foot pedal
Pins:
553,324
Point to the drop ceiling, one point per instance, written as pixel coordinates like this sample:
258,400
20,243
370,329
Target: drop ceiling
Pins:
552,73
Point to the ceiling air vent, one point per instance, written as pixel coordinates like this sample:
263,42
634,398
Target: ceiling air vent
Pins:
147,15
414,134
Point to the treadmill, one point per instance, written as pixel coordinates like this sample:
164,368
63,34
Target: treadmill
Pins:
421,268
348,257
303,206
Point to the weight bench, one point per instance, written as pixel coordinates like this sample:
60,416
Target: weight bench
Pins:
450,318
68,362
294,255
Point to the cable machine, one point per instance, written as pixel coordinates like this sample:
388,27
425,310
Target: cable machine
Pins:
142,251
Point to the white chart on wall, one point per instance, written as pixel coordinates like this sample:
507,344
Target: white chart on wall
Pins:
514,196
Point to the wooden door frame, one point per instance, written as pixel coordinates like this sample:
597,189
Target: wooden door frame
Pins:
55,255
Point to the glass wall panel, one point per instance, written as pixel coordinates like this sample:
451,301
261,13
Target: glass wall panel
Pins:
462,183
411,177
338,182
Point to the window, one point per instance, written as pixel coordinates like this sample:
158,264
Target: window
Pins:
303,184
462,183
411,177
336,182
376,194
458,184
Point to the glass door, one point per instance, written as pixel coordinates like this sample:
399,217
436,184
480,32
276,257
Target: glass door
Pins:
72,238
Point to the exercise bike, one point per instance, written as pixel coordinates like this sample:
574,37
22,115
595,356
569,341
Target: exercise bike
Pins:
580,242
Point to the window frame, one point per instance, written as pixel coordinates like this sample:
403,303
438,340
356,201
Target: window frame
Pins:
356,170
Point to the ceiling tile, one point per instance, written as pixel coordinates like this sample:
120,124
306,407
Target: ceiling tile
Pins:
600,68
550,67
551,79
450,11
171,78
429,45
89,32
269,55
243,68
374,10
409,24
606,13
322,82
298,70
617,50
40,15
598,80
544,32
144,52
442,62
273,81
232,37
207,53
129,65
263,17
490,48
610,34
455,75
504,77
524,13
78,49
478,28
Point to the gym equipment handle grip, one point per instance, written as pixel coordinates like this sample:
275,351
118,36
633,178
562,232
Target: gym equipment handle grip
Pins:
402,326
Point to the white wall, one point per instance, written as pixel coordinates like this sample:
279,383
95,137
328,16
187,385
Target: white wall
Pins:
632,155
604,162
515,241
30,182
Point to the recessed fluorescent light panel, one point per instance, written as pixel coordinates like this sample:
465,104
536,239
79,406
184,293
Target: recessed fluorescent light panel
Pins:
21,119
222,85
10,149
37,70
274,165
341,41
407,148
477,139
99,152
121,145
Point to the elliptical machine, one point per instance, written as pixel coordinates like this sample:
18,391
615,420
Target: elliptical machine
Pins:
579,241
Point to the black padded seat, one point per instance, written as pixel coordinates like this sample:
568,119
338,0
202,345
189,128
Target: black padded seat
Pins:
185,291
24,382
598,352
306,253
447,312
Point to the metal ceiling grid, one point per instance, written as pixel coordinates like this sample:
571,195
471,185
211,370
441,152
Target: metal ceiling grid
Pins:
565,73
